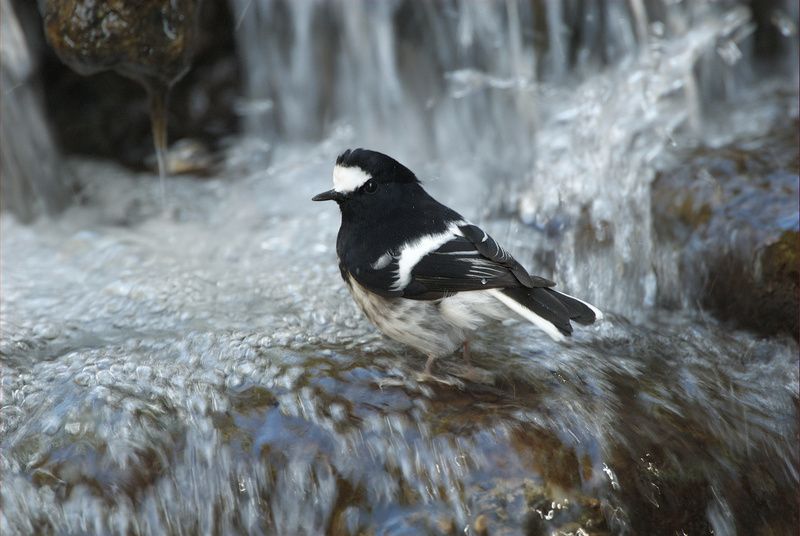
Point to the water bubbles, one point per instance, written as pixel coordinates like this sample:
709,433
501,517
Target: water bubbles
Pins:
233,381
73,428
190,370
144,372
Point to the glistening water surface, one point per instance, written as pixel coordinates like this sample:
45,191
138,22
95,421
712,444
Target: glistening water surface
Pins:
209,373
205,371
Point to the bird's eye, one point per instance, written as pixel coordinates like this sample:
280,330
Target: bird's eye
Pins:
371,186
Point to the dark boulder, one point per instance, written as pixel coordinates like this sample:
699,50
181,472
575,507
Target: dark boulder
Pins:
731,213
104,114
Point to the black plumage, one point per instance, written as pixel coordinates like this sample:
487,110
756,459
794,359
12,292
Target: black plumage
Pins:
414,264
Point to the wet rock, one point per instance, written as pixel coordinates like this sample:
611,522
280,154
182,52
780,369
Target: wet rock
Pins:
769,303
445,525
536,508
729,217
187,157
481,525
105,115
149,40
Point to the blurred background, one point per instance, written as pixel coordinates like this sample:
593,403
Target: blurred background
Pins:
179,354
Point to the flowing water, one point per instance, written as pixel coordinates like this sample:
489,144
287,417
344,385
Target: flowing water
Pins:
205,371
157,95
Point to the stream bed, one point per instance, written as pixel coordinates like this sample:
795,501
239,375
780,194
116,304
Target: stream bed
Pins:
205,371
193,364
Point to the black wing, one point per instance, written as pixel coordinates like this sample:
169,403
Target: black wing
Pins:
473,261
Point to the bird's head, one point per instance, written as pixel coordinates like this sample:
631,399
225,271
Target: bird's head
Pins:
369,178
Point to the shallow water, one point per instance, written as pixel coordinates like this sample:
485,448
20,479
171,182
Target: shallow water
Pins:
207,372
203,369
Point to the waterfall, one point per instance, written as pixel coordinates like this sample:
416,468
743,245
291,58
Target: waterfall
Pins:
33,179
556,111
204,370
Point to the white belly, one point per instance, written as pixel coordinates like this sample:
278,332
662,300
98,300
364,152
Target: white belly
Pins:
434,327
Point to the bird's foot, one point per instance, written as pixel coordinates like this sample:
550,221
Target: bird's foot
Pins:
474,374
391,382
465,352
426,377
471,373
429,365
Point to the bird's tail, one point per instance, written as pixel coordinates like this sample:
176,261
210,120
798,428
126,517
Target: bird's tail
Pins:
547,309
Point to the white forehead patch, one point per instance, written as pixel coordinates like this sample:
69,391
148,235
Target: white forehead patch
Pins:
348,179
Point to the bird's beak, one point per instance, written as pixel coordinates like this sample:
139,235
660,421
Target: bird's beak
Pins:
330,195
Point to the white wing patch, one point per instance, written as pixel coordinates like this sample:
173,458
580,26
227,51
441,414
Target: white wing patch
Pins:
348,179
412,252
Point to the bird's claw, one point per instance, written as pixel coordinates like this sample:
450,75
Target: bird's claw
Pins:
427,377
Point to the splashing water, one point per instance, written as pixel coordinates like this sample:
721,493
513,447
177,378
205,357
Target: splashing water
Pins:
209,374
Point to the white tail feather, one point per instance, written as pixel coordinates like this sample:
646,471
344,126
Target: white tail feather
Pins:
528,315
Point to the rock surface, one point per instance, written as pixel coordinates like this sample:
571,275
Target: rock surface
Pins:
155,368
146,40
105,114
731,216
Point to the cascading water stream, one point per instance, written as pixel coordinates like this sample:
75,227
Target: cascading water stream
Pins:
479,97
208,373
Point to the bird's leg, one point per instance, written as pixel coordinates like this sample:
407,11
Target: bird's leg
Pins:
429,376
472,373
466,353
429,365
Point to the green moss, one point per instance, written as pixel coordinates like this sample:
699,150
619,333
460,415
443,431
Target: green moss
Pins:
780,259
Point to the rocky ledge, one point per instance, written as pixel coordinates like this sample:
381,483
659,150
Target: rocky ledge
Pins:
729,216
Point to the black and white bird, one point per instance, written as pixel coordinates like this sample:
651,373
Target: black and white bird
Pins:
423,274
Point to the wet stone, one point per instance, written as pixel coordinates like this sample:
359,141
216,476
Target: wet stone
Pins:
218,421
144,40
731,214
158,44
